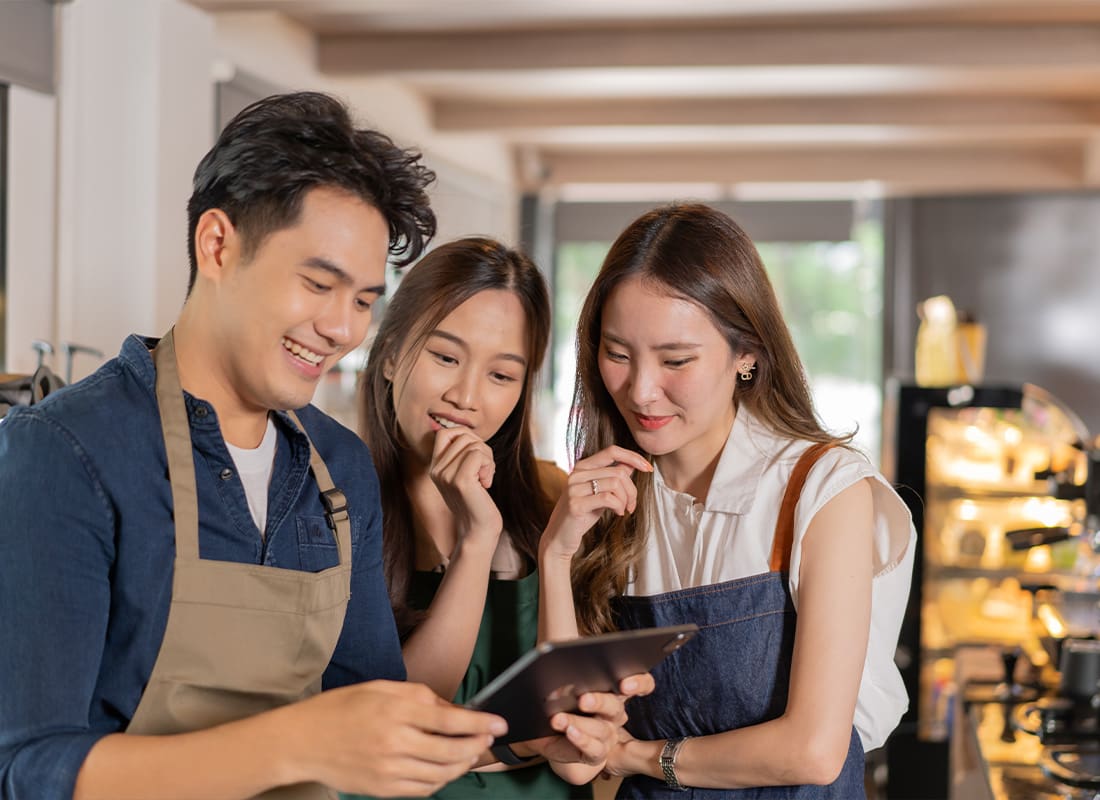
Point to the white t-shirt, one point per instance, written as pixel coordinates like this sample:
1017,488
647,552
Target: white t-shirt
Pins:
729,536
254,467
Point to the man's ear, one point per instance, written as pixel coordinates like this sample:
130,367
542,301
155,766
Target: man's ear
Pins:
217,244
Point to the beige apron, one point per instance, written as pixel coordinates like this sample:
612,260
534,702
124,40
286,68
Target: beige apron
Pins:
240,638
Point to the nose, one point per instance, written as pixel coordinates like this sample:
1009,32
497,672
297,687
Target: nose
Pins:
463,391
644,385
341,324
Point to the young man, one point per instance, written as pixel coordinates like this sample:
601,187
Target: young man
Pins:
184,564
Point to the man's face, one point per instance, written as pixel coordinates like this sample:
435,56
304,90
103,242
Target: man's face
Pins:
304,300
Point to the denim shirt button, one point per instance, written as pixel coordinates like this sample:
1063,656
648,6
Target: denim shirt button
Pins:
201,412
226,474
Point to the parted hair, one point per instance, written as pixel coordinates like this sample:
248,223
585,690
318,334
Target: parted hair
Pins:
696,253
274,151
444,279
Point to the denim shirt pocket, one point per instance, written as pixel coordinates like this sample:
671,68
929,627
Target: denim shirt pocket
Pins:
317,544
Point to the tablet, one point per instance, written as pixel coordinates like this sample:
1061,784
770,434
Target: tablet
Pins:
551,677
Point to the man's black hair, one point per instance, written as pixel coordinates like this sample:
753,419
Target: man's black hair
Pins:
274,151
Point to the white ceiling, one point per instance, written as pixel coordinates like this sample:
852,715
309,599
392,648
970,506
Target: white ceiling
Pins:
911,95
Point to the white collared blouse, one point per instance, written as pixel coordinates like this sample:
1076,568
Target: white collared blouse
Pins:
729,536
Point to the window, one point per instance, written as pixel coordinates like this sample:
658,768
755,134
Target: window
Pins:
831,294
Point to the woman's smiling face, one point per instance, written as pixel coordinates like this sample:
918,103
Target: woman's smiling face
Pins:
470,371
669,370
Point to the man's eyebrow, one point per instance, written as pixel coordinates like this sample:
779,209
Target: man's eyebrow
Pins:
458,340
664,346
341,275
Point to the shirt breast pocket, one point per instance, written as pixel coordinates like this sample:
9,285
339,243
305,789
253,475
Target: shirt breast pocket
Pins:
316,544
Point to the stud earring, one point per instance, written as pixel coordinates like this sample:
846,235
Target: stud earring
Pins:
744,369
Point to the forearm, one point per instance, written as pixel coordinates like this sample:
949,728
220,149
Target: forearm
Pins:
438,652
236,760
557,613
781,752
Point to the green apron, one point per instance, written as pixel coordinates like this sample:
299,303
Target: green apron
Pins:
509,628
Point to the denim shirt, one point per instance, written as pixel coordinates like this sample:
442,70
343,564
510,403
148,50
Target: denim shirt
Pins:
87,548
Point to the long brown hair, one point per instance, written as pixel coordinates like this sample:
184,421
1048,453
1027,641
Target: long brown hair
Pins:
699,254
442,281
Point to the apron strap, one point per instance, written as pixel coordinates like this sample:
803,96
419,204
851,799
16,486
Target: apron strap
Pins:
181,465
784,526
334,501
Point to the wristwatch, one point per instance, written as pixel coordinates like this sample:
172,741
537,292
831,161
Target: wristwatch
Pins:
506,755
667,763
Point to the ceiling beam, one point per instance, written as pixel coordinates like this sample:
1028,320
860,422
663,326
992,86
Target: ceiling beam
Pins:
457,114
899,169
703,45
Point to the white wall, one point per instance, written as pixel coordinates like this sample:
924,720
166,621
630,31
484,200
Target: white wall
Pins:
101,172
135,116
31,262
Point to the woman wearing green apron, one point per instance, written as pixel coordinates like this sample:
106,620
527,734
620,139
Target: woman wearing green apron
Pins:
446,410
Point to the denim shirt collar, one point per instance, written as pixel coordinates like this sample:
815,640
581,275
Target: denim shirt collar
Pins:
206,436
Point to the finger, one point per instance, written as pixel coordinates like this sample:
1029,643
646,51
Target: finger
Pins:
591,737
606,706
453,720
608,479
610,456
449,463
448,443
637,685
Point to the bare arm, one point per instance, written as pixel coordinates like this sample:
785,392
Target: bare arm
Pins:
576,511
809,742
438,652
382,738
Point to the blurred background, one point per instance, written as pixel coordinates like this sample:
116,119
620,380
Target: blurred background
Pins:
880,152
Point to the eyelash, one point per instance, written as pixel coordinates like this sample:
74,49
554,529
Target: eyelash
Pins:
322,288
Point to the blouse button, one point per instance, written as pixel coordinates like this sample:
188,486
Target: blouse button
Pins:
226,474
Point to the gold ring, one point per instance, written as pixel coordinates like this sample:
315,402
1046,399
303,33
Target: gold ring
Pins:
595,487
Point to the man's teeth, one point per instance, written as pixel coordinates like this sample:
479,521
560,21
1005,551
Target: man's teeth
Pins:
303,353
444,423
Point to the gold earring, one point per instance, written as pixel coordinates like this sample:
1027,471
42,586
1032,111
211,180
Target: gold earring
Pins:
745,369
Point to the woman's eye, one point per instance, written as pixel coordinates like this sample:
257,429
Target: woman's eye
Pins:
500,377
443,358
676,363
613,356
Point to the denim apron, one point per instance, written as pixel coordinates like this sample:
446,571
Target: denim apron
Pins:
736,671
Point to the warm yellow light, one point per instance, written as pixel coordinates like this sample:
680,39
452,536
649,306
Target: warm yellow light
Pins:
1038,559
1050,619
968,510
1013,435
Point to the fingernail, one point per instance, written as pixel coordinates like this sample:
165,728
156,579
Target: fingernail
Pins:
499,727
629,685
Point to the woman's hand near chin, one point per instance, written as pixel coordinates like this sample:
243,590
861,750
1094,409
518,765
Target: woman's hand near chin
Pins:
602,482
462,469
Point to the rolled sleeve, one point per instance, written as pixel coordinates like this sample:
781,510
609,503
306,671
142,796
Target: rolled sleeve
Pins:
56,553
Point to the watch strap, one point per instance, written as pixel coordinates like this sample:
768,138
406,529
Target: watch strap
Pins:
506,755
667,763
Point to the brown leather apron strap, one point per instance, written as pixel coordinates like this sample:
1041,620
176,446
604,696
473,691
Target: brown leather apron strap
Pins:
784,526
177,440
334,501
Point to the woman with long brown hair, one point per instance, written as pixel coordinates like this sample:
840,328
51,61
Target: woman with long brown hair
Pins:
446,407
707,491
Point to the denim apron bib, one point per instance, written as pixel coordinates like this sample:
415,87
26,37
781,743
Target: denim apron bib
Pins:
736,671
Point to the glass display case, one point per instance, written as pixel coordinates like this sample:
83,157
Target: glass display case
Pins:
977,466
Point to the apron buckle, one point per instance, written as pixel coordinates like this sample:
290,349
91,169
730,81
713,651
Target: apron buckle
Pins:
336,507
